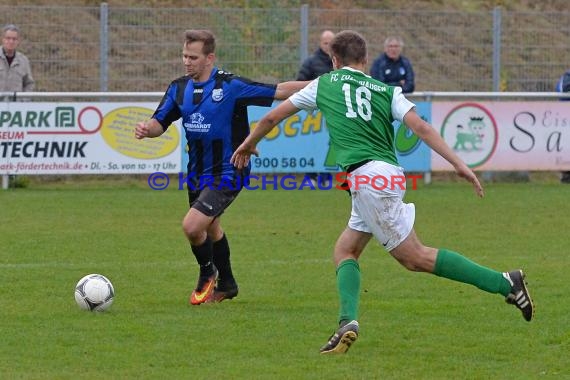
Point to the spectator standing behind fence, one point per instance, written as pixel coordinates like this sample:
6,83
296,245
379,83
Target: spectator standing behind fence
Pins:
392,68
317,64
15,70
563,85
213,106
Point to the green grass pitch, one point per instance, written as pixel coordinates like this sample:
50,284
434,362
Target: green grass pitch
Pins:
412,325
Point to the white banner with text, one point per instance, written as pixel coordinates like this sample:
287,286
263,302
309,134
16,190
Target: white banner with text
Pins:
98,138
83,138
505,135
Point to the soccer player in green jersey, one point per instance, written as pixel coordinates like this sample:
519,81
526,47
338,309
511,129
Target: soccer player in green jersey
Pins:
359,112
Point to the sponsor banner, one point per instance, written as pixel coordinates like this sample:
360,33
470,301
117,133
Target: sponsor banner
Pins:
505,135
82,138
300,144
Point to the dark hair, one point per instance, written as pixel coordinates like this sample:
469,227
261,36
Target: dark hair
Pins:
349,47
201,35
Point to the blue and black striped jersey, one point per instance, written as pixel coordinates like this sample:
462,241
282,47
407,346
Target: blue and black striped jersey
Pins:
214,118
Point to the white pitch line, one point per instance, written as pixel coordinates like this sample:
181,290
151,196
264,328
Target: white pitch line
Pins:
150,264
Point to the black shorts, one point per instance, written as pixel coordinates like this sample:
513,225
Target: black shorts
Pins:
211,201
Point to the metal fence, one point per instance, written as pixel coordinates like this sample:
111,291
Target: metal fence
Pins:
108,48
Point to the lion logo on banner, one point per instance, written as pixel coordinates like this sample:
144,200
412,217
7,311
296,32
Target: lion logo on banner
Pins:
472,136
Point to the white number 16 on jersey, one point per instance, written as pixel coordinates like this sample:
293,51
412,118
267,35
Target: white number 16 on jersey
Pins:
363,106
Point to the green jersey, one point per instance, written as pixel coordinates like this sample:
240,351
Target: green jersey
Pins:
359,112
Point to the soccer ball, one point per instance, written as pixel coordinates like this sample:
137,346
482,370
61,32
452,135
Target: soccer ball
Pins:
94,292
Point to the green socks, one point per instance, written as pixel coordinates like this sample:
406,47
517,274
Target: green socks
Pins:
348,284
448,264
455,267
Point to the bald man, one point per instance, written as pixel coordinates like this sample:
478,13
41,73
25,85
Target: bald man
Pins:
320,62
317,64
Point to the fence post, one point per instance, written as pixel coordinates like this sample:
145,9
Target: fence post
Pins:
104,47
488,175
304,32
497,49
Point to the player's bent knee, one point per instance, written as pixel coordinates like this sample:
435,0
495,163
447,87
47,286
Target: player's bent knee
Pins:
192,232
415,262
410,265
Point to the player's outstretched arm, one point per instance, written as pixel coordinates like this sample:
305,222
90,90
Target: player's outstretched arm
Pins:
149,128
240,158
425,132
286,89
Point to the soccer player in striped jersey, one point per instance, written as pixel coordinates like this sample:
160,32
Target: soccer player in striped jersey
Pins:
359,112
213,106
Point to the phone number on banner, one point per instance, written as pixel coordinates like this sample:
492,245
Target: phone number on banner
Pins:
282,162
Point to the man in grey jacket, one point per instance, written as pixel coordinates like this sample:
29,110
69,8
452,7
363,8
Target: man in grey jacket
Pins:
15,70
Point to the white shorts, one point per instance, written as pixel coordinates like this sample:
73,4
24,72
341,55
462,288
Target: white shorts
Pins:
377,206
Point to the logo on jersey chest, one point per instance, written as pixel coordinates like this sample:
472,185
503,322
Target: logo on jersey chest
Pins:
197,124
197,118
217,94
197,98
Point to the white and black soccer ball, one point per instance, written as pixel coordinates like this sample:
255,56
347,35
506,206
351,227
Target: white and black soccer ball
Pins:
94,292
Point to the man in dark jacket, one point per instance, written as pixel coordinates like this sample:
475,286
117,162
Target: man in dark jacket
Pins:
392,68
320,62
317,64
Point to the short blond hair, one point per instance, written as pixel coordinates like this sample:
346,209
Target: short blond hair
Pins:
201,35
